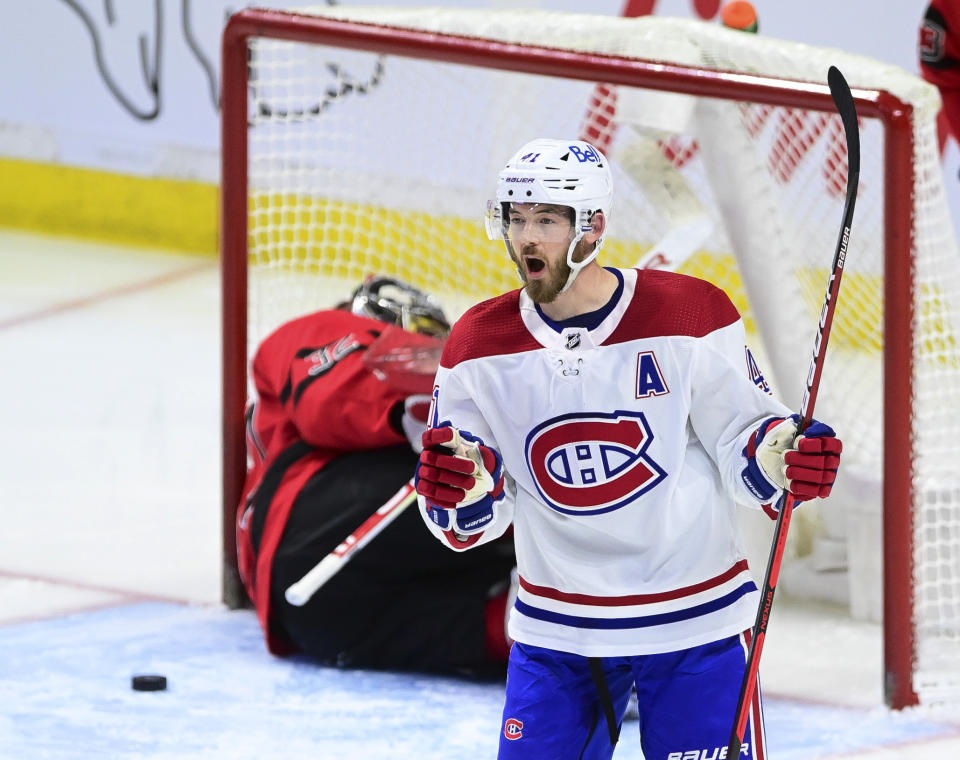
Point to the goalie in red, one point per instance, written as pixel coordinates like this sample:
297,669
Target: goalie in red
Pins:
333,432
939,51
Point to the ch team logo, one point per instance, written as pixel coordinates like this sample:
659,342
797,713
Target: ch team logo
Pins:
513,729
590,463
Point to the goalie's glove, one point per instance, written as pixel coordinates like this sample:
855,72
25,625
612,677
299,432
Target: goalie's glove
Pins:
804,465
460,478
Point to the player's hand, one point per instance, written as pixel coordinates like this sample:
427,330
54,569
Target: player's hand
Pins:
804,465
460,478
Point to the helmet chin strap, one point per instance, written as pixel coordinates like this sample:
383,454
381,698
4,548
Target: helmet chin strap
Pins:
576,266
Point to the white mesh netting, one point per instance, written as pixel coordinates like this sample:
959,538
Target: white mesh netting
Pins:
361,164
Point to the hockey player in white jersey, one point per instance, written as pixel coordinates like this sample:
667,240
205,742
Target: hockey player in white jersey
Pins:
613,417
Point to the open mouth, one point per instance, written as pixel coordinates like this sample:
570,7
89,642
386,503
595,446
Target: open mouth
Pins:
534,265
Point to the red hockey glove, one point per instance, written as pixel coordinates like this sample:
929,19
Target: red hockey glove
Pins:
804,465
460,478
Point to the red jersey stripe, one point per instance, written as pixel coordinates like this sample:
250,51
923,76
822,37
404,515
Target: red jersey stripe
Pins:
624,601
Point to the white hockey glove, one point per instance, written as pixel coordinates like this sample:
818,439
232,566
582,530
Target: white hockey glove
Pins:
777,458
460,478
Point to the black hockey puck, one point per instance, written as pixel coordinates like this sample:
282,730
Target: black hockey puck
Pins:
149,683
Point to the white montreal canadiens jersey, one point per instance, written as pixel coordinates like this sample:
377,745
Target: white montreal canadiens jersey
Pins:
622,451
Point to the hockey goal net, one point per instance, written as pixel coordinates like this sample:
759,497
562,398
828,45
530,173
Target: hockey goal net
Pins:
368,140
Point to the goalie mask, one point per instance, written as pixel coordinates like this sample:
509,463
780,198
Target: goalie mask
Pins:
399,303
569,173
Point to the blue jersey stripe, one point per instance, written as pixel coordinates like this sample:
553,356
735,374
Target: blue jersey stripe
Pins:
643,621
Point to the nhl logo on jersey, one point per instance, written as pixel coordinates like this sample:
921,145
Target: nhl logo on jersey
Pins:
589,463
572,340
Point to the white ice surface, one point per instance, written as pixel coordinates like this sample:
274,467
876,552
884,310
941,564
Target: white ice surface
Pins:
65,693
109,459
109,493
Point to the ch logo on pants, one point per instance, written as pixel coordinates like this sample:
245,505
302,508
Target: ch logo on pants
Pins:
593,462
513,729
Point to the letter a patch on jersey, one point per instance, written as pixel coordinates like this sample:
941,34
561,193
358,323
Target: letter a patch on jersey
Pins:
650,380
586,464
755,374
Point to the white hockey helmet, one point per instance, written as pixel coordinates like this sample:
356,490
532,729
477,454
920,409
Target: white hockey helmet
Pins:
396,302
570,173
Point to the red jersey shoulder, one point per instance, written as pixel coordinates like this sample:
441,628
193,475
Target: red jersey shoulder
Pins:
938,45
491,328
330,323
667,303
303,335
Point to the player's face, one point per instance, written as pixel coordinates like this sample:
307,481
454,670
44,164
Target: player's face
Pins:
540,236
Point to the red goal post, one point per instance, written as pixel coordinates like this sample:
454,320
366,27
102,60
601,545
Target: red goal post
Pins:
256,221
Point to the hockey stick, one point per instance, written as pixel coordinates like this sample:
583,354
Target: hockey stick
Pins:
640,154
843,99
299,593
678,245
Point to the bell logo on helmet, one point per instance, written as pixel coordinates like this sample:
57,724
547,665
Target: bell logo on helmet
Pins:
585,155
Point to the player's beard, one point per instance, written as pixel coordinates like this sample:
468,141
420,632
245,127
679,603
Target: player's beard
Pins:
546,289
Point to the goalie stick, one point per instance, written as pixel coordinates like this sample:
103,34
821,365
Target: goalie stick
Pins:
663,184
299,593
843,99
640,154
